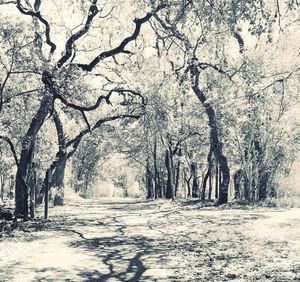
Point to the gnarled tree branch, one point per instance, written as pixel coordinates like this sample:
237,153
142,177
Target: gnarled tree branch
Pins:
121,48
37,15
105,98
93,11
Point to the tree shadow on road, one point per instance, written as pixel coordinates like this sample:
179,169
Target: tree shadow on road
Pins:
126,259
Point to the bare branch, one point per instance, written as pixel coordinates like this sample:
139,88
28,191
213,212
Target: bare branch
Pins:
86,120
215,67
123,44
109,13
2,85
93,11
237,70
240,41
26,71
279,80
84,108
3,2
105,98
278,14
42,20
7,100
12,148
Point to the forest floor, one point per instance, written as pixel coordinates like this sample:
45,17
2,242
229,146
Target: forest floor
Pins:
131,240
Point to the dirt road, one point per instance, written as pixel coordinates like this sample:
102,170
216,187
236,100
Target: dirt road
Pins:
147,241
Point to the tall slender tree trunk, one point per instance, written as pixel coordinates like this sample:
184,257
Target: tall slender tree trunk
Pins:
216,144
157,188
1,187
187,179
149,182
178,172
207,176
32,187
210,185
203,188
217,181
195,185
170,176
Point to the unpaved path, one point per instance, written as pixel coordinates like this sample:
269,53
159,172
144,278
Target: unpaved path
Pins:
147,241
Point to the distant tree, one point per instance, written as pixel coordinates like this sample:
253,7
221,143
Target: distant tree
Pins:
199,36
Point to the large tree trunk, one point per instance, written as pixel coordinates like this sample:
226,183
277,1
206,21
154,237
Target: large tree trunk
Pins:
58,174
216,144
28,147
58,166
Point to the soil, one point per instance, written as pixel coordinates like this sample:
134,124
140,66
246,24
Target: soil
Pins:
134,240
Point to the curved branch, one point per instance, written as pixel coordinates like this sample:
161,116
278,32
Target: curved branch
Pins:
240,41
76,140
203,66
121,48
2,2
99,100
12,148
84,108
7,100
42,20
2,85
93,11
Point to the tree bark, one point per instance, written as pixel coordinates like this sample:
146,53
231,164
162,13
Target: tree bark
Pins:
195,185
32,186
170,176
203,188
263,184
217,181
58,173
237,179
1,187
215,142
207,176
57,168
27,151
149,182
177,170
210,185
157,186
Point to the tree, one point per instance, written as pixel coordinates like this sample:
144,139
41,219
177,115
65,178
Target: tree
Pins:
52,74
207,30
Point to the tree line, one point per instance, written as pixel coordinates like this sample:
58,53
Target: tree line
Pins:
178,87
